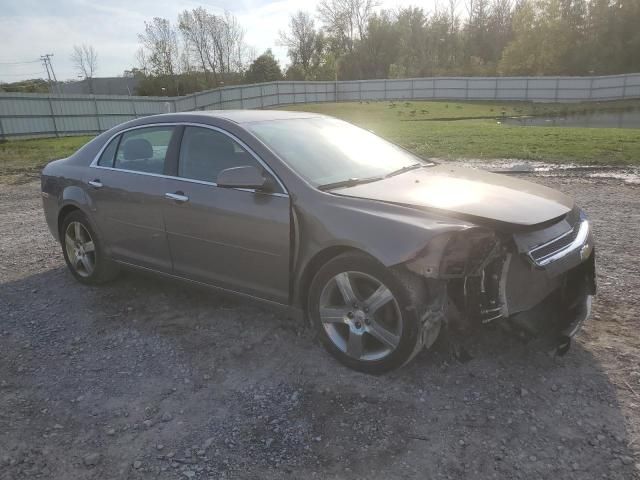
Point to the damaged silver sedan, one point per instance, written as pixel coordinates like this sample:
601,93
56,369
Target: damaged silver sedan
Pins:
380,249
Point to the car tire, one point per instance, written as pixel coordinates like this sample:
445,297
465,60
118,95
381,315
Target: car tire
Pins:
375,325
84,252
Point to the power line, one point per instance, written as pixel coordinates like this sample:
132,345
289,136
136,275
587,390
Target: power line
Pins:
19,63
21,74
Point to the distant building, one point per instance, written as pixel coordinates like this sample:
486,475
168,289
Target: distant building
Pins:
102,86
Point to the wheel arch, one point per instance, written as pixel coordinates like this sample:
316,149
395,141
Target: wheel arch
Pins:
75,198
312,267
63,213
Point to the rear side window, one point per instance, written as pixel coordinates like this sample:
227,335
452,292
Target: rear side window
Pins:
109,153
204,153
144,149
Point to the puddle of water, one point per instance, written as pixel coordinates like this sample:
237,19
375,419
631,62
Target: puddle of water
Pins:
628,175
620,119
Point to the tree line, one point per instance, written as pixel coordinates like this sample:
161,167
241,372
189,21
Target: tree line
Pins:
493,37
354,39
200,50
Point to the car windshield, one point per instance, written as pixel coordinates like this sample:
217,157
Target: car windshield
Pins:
326,151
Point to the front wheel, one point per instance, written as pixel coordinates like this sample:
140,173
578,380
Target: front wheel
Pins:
368,316
83,251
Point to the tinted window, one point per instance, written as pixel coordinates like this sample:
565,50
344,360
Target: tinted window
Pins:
106,159
144,149
204,153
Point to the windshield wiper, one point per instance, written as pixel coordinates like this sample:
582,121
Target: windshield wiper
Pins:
350,182
404,169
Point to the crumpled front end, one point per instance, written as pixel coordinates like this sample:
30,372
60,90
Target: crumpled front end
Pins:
539,281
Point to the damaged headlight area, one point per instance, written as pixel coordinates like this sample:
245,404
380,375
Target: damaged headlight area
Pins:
470,262
456,254
489,277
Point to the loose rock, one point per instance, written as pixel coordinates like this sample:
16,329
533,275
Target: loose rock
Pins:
91,459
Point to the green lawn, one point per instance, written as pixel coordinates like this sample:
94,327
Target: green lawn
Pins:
472,130
23,159
441,129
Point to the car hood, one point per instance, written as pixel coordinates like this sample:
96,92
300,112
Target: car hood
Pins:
475,195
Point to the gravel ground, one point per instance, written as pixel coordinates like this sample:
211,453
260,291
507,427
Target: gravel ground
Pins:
147,378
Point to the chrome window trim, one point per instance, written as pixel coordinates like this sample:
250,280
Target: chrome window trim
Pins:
94,163
579,241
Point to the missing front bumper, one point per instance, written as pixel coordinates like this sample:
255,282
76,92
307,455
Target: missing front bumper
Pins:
563,312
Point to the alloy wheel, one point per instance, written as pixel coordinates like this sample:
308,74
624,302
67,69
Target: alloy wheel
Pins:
80,249
360,315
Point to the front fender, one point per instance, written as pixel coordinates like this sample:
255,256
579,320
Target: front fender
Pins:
390,233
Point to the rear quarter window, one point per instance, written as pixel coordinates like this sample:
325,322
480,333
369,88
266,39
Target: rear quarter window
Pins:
109,153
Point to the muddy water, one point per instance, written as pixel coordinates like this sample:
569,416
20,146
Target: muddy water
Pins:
620,119
626,174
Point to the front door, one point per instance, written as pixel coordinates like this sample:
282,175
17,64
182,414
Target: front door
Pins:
232,238
127,187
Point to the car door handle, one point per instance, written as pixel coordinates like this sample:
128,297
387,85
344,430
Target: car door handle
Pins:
178,197
95,183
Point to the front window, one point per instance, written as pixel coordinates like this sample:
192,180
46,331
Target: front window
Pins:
204,153
326,151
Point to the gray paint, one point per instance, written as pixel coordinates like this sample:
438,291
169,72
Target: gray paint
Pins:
23,114
260,244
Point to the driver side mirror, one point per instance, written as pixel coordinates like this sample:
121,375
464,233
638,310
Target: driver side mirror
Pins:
246,176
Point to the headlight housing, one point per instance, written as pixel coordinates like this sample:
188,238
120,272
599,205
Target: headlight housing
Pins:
455,254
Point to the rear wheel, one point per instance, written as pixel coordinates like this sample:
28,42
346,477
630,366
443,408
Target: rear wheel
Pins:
83,251
366,315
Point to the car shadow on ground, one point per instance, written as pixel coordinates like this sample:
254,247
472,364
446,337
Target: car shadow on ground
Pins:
160,379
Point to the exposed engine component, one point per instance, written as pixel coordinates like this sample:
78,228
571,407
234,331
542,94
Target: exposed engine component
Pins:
500,282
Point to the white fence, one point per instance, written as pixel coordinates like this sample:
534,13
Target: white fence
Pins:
24,114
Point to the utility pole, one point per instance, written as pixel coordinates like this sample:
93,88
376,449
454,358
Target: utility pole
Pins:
45,62
46,59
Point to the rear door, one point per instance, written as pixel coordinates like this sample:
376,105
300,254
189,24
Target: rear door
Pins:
237,239
127,186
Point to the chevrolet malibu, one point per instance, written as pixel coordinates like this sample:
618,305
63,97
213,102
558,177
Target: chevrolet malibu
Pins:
381,250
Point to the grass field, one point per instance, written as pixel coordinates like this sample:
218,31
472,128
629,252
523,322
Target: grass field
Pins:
455,130
22,159
441,129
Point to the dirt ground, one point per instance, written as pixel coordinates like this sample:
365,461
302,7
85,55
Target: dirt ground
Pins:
147,378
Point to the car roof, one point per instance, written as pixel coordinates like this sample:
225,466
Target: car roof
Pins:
244,116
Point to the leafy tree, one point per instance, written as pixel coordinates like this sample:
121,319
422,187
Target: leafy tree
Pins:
380,48
543,41
412,41
346,20
265,68
295,72
300,41
355,40
160,40
196,29
613,36
36,85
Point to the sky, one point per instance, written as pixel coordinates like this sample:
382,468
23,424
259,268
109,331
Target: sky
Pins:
31,28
